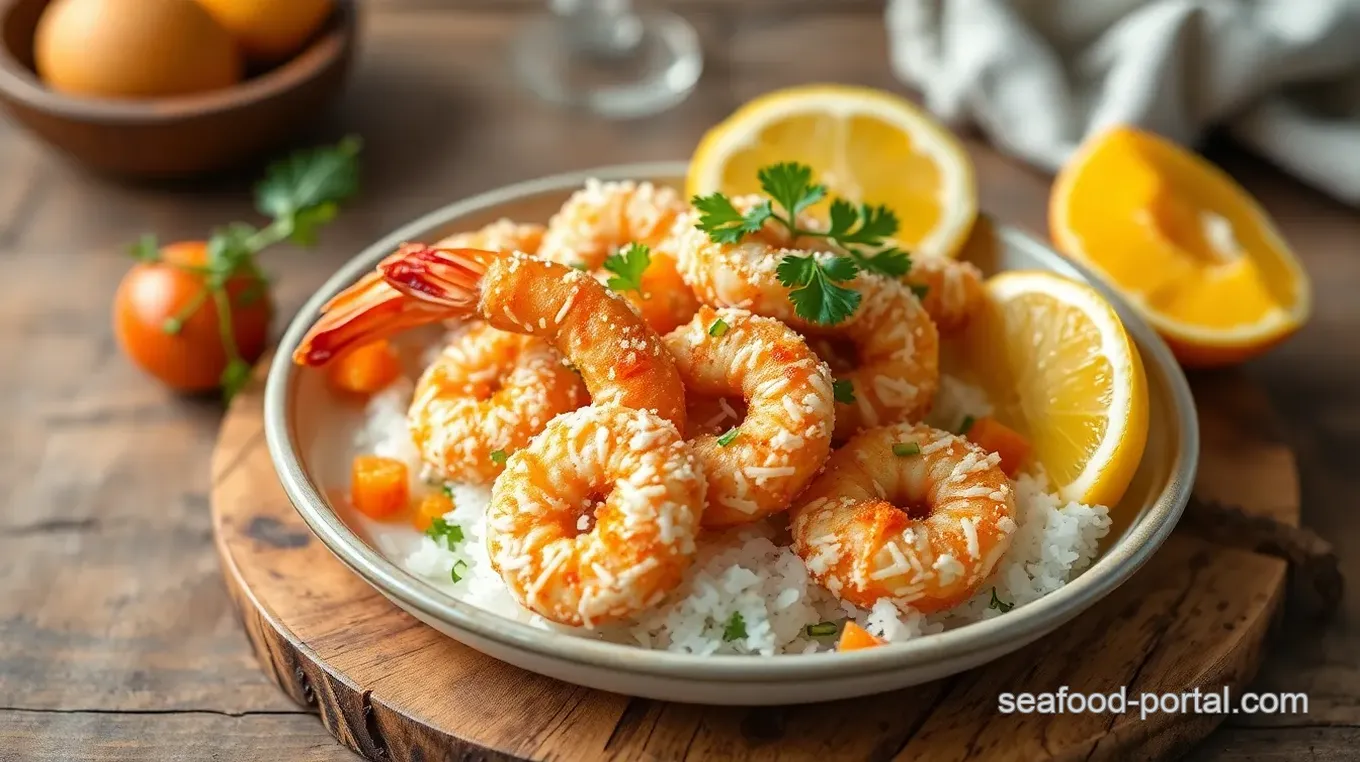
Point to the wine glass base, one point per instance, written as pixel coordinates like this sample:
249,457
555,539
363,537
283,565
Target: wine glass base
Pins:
657,69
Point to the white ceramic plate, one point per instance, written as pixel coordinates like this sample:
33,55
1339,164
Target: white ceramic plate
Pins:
309,432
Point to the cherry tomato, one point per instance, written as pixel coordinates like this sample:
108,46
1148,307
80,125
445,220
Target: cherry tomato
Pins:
191,358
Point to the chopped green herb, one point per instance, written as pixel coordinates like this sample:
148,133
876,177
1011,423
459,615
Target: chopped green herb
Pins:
999,604
905,449
498,457
813,288
628,265
920,289
450,534
967,425
735,628
448,491
458,570
726,439
718,328
578,266
822,629
843,390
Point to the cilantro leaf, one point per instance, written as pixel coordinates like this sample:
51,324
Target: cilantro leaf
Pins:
628,264
998,604
790,185
813,290
735,629
442,530
843,391
892,262
723,222
309,178
866,225
920,289
499,457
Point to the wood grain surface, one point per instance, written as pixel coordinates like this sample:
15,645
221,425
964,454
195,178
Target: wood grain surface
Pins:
391,688
117,637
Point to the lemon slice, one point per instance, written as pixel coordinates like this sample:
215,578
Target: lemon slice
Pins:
1184,243
867,146
1056,362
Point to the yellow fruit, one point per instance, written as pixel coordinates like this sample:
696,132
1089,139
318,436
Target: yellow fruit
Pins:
1184,243
133,49
865,145
1056,362
270,30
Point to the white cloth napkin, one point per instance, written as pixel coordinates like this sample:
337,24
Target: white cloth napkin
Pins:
1039,75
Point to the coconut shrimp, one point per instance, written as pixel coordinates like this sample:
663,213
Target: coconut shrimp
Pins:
488,392
621,360
502,235
950,290
756,468
894,368
905,512
596,519
603,216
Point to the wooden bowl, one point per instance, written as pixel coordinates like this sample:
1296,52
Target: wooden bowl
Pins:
181,135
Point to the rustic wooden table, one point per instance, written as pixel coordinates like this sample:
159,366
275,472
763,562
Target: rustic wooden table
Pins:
116,637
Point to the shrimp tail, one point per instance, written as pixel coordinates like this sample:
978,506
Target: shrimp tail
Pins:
447,277
367,311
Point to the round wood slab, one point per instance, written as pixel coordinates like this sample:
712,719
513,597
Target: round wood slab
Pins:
391,688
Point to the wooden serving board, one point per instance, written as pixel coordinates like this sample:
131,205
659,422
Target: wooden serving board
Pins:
391,688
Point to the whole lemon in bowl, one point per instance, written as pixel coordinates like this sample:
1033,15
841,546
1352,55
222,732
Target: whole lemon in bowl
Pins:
269,31
133,49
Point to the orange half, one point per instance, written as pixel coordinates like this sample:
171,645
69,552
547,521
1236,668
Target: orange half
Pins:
1183,242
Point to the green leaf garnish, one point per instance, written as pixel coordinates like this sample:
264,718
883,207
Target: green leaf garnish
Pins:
999,604
967,425
442,530
906,449
735,628
498,457
628,264
726,438
723,223
822,629
309,179
843,391
813,288
863,225
920,289
458,570
447,489
718,328
790,185
891,262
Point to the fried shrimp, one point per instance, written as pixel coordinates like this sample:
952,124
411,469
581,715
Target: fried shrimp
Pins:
756,468
894,372
905,512
488,392
620,359
950,290
603,216
596,519
503,235
665,302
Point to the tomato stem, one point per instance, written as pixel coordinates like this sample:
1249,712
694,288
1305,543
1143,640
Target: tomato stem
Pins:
175,324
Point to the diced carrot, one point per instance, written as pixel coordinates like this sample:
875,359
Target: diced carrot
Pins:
366,369
994,436
378,486
854,637
429,508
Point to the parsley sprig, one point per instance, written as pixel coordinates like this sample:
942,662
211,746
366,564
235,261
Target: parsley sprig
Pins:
627,265
814,283
300,193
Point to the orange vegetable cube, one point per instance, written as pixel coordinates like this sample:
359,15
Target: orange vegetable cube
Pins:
365,369
429,508
854,637
378,486
994,436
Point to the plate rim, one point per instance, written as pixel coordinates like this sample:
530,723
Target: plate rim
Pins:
995,635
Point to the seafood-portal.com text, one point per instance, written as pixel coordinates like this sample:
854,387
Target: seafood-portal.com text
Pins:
1197,701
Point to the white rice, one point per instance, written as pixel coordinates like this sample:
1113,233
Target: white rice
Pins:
749,571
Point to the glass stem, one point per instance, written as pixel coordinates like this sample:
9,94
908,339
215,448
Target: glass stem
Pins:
605,28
